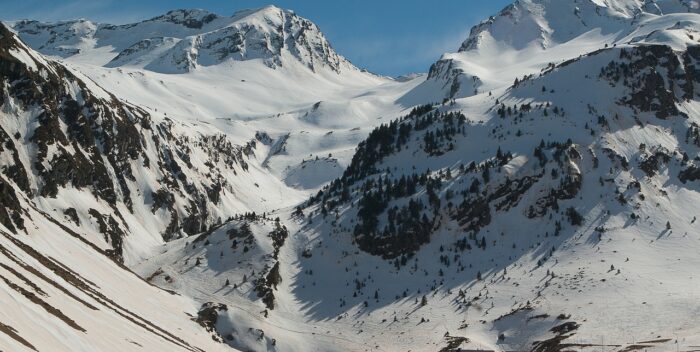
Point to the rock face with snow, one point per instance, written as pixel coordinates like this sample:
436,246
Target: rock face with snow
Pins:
61,39
182,40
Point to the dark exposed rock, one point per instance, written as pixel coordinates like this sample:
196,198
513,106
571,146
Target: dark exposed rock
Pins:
188,18
214,192
113,234
650,165
162,198
197,220
208,316
565,328
691,173
72,215
174,224
15,172
264,286
453,343
12,333
556,343
10,207
32,297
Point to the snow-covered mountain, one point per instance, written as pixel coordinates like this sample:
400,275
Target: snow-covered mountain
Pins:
182,40
534,191
546,23
521,32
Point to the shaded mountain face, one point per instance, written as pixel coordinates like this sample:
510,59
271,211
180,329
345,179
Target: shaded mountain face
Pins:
589,151
592,158
399,204
182,40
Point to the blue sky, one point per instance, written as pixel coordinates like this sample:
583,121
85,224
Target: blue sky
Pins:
390,37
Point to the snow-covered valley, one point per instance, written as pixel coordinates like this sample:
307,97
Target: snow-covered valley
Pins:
536,190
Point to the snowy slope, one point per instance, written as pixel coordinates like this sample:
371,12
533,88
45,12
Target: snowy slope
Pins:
60,293
544,173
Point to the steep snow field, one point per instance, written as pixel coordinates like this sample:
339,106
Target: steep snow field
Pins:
60,294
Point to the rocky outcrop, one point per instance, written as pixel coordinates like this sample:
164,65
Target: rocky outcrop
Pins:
208,316
189,18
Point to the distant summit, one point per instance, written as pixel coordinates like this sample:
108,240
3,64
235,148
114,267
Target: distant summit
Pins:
182,40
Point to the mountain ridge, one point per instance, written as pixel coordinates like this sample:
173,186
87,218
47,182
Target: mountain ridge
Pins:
201,38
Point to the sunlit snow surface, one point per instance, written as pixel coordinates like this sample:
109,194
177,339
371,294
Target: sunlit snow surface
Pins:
311,122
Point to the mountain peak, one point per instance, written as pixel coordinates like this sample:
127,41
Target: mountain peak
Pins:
185,39
545,23
268,33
